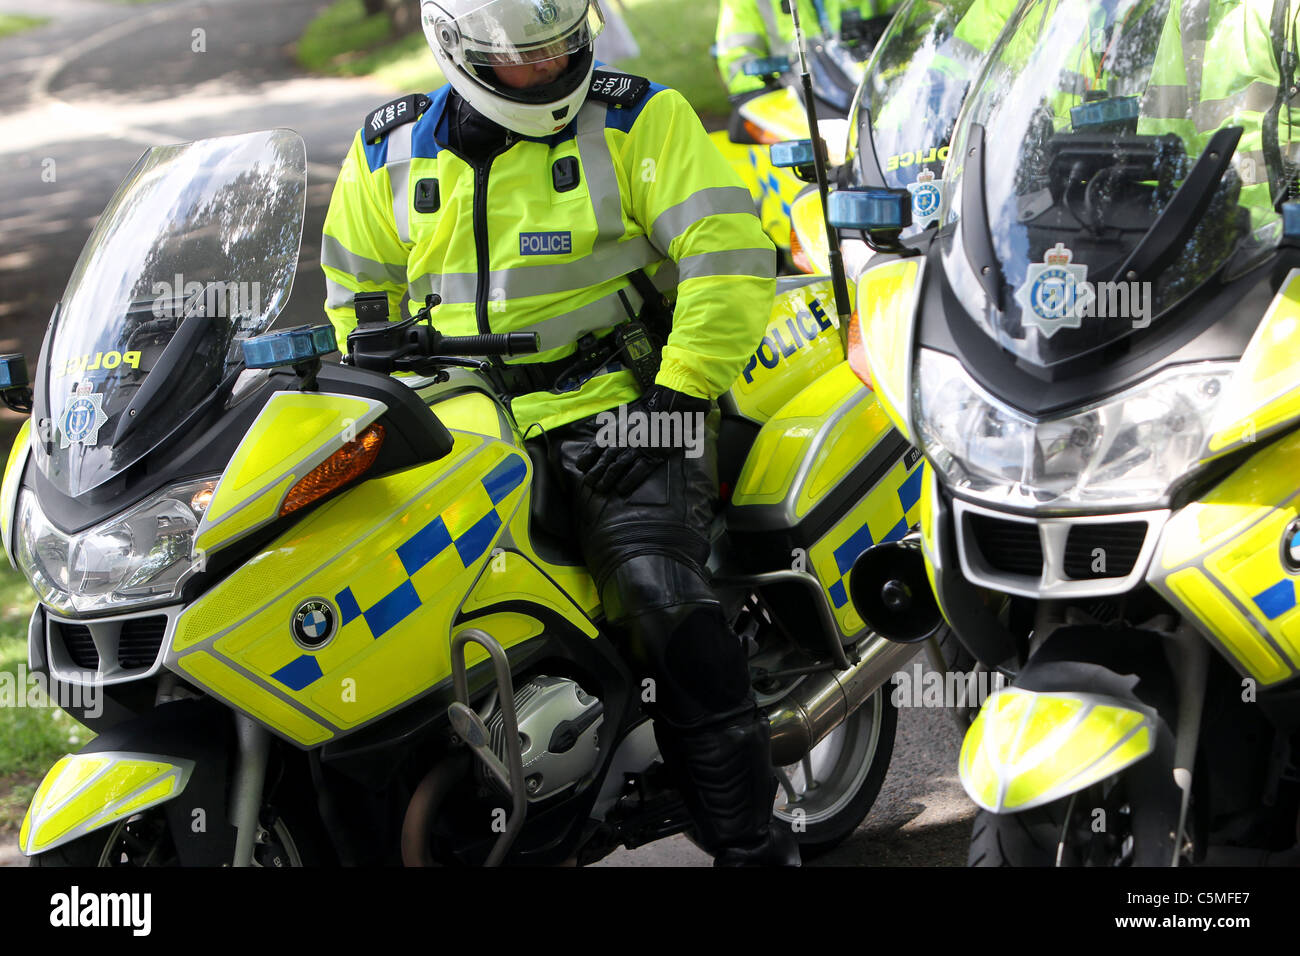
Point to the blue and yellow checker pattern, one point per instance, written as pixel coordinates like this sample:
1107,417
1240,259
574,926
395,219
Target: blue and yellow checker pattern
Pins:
396,556
885,514
430,547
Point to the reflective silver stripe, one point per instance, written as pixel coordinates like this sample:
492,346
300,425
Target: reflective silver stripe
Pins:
1072,82
753,263
337,295
963,48
740,41
598,167
1194,25
1257,98
714,201
774,39
609,262
334,255
1165,102
399,172
604,313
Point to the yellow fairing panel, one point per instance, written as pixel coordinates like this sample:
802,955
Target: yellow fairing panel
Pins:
84,792
511,577
9,488
1026,748
292,435
1220,562
887,299
773,464
803,454
809,222
780,112
801,344
1264,392
393,559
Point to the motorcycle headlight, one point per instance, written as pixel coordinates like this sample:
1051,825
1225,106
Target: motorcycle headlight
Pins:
140,557
1127,450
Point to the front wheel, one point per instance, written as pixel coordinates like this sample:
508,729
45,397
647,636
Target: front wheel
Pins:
145,840
827,795
1119,823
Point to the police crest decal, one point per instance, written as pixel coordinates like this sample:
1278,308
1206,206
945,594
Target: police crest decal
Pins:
82,419
927,195
1055,292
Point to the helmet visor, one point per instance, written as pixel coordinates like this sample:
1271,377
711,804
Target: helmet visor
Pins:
516,32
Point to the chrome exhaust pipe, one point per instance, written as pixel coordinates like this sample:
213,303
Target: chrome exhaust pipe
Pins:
800,721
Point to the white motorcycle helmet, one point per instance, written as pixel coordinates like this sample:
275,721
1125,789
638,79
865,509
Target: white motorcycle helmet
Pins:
528,40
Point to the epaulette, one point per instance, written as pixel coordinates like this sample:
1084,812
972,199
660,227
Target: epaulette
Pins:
392,115
620,89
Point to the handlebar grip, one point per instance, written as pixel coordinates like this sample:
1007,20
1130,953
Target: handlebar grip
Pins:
512,343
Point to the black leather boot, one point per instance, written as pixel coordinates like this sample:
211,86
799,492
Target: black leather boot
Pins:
727,782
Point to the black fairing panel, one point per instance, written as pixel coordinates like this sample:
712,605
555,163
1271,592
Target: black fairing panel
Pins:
197,730
1215,323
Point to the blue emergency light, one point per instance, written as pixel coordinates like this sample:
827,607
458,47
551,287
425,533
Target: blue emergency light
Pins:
766,65
290,347
1117,109
13,372
870,210
792,153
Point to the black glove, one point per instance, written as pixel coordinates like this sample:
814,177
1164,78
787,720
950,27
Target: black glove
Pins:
619,467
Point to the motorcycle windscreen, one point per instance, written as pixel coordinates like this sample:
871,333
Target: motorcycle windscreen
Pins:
195,251
911,94
1099,175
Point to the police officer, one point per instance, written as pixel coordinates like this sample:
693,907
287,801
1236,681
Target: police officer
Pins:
535,193
752,29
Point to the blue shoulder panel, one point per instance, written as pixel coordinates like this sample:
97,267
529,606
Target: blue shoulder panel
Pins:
617,117
423,143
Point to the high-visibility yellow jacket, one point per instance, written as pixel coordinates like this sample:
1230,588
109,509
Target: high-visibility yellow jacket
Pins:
1215,65
524,245
751,29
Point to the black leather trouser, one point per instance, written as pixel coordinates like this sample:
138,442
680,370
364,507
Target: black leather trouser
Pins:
648,552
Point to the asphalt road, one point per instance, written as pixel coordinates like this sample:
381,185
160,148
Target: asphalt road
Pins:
83,96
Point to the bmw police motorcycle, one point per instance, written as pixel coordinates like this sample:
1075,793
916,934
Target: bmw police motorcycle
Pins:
776,113
333,614
1095,347
900,125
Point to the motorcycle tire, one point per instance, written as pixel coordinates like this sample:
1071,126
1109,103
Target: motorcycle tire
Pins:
1031,838
857,754
1028,838
145,840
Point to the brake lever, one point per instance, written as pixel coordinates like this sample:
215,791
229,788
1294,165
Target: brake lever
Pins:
427,363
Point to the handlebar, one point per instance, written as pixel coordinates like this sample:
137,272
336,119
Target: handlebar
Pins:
509,343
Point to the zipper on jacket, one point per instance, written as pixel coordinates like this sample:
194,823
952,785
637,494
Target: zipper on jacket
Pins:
482,259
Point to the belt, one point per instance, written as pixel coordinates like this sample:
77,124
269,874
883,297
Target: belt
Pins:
593,357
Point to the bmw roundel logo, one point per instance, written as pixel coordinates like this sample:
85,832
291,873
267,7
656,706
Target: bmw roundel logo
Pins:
1291,546
314,623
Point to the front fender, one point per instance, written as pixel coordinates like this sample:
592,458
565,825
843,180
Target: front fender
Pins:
1027,748
87,791
177,755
